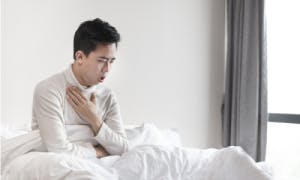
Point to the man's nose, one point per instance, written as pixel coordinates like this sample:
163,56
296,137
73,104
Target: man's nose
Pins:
106,67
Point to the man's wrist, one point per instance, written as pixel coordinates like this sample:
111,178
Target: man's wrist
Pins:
97,126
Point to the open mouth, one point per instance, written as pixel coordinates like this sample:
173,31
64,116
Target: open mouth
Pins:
101,79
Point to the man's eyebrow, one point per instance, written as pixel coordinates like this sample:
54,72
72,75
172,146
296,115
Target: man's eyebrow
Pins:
102,57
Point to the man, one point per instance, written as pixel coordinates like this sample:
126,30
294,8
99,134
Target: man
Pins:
74,101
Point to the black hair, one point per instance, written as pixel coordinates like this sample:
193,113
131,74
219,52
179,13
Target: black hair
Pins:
92,33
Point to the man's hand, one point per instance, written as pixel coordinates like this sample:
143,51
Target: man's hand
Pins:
85,108
100,151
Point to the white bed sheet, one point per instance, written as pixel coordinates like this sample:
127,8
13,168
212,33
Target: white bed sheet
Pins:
151,162
154,154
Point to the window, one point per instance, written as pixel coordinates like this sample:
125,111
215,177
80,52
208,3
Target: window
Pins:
283,33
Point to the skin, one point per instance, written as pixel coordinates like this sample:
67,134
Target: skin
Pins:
88,70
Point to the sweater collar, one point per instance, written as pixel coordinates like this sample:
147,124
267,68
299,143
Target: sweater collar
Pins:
69,74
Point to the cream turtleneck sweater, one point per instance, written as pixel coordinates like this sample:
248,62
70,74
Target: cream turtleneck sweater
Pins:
62,130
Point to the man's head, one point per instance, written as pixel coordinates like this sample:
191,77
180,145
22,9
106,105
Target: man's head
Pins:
95,45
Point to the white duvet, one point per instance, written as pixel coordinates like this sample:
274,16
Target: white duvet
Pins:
144,161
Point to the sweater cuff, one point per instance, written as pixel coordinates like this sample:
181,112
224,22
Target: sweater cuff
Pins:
101,137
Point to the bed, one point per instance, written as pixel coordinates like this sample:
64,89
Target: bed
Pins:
155,154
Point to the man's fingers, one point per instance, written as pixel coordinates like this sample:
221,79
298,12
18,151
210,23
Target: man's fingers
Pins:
93,98
71,101
75,96
79,92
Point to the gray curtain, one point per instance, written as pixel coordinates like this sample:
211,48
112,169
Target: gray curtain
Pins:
245,113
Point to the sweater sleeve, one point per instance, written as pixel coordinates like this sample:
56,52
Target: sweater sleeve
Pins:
112,134
47,109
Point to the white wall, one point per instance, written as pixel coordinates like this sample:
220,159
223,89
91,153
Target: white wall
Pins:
169,69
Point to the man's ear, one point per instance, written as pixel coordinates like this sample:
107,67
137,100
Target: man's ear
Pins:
79,57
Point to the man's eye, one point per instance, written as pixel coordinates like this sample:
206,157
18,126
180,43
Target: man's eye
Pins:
102,60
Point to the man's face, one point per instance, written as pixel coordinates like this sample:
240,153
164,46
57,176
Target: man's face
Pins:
97,64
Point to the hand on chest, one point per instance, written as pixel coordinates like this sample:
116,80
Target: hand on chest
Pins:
72,117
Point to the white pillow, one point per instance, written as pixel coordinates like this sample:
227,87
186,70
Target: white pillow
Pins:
149,134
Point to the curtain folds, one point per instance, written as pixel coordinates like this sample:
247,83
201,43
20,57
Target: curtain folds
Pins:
245,113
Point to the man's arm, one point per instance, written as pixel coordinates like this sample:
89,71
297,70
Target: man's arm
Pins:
110,131
47,109
112,134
